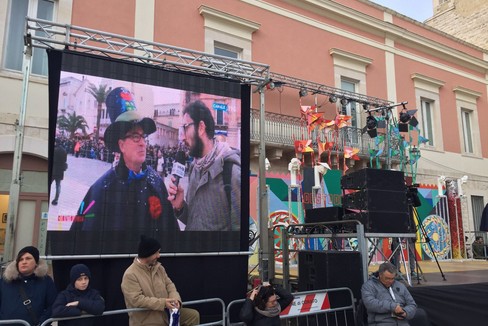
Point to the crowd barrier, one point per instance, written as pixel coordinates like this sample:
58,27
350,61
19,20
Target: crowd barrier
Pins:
124,311
309,308
14,322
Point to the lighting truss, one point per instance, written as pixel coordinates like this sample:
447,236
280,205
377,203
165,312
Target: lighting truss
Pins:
316,88
49,35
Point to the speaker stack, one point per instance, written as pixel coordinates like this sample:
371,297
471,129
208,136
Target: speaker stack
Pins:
331,269
378,199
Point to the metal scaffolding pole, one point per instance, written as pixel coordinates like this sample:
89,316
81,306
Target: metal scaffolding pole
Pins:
14,193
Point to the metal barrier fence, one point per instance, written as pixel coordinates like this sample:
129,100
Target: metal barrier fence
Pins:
124,311
14,322
310,308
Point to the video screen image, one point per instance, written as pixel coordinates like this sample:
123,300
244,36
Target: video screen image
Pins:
133,158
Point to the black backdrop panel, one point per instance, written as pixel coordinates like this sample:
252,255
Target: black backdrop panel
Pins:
195,278
446,305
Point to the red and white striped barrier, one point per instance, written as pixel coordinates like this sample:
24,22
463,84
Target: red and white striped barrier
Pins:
314,302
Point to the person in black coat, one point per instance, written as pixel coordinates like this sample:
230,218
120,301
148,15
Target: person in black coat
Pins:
27,292
59,166
78,298
264,305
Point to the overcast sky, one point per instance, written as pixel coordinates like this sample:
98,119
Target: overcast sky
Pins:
417,9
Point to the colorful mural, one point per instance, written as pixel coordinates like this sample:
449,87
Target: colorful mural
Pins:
287,205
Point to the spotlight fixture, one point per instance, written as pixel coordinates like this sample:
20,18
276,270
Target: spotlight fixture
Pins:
303,92
404,117
407,116
371,124
332,98
365,106
344,101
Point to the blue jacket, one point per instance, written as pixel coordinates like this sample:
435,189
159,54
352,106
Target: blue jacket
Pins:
39,288
90,302
380,304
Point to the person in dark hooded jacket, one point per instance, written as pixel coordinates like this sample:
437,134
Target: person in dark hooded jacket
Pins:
264,305
78,298
26,280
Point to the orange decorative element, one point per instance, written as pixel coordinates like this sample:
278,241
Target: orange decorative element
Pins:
342,120
351,152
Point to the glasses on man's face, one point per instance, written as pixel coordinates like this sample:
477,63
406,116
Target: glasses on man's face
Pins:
136,137
186,125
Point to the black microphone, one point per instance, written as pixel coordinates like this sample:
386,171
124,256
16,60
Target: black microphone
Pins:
178,170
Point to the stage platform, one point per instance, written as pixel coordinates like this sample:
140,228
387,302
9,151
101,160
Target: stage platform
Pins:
455,271
460,299
466,271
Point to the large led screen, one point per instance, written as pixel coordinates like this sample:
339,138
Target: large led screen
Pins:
142,150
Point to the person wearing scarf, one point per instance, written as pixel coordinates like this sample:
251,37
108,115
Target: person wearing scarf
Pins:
208,203
264,305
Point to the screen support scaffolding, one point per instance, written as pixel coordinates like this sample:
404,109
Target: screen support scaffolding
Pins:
51,35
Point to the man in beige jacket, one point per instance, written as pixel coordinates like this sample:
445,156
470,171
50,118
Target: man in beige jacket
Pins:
145,284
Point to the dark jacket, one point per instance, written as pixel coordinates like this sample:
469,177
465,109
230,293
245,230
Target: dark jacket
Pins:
39,288
118,207
90,302
59,162
484,219
251,317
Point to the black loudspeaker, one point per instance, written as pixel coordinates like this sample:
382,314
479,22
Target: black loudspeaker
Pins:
383,222
377,200
331,269
323,214
374,179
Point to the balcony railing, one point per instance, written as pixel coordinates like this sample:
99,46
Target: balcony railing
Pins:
282,130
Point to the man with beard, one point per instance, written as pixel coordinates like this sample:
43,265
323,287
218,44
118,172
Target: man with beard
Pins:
213,195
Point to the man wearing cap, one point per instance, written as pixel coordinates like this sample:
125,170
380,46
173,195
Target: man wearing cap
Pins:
131,197
78,298
213,196
26,291
145,284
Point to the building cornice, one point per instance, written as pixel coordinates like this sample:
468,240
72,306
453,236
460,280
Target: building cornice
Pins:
215,18
351,17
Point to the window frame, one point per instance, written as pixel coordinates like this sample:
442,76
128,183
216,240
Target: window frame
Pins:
39,56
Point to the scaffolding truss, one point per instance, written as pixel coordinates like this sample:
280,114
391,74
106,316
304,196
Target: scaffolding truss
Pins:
48,35
51,35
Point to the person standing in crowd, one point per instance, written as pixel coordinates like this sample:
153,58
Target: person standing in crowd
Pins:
213,195
131,196
59,166
161,168
27,292
146,284
387,301
264,305
478,248
78,298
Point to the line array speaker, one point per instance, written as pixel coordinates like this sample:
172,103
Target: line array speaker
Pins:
374,179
